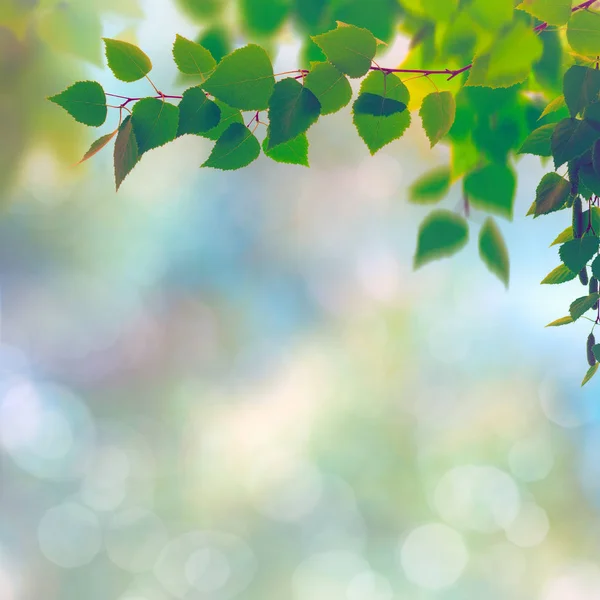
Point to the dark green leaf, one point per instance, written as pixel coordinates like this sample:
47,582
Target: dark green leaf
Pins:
197,114
596,351
437,112
580,306
492,188
590,179
596,267
293,152
192,58
292,110
264,17
243,79
236,148
441,234
538,141
126,153
351,49
229,115
216,41
377,106
379,130
126,61
559,275
85,101
551,194
430,187
330,86
576,253
581,87
571,139
493,251
155,123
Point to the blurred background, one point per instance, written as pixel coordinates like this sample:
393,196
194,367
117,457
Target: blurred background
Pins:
222,385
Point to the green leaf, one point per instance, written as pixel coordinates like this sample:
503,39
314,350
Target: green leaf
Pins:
388,123
438,10
292,110
571,139
378,16
192,58
236,148
590,179
596,351
590,373
565,236
126,154
216,41
583,32
197,114
553,12
491,15
351,49
561,321
293,152
509,60
229,116
554,106
437,112
330,86
581,86
202,9
155,123
493,251
538,141
126,61
559,275
580,306
492,188
98,145
576,253
243,79
596,267
430,187
85,101
264,17
551,194
441,234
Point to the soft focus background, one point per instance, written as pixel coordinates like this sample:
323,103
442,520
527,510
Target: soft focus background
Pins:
232,385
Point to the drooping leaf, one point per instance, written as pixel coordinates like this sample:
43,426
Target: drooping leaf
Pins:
551,194
330,86
98,145
580,306
583,32
243,79
590,178
596,267
561,321
441,234
559,275
564,236
216,40
437,112
378,130
236,148
596,351
197,114
576,253
553,12
492,188
538,141
581,87
292,110
351,49
590,373
430,187
493,251
293,152
264,17
126,61
229,115
126,154
155,123
378,16
509,60
192,58
572,138
85,101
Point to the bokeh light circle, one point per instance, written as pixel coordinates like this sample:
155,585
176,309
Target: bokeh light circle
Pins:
433,556
69,535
